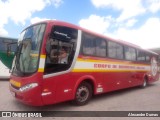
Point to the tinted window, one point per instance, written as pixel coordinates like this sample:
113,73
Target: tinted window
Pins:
115,50
93,46
141,55
5,41
62,47
3,46
89,45
101,48
148,57
130,53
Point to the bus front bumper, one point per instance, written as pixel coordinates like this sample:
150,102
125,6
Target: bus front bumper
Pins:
30,97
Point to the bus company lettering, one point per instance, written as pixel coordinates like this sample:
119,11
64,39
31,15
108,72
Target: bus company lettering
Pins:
126,67
114,66
102,66
131,67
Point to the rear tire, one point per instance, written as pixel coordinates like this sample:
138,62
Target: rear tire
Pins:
83,94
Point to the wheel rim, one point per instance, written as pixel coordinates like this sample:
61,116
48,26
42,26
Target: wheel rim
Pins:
82,94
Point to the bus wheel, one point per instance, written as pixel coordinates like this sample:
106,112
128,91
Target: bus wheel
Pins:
83,94
144,83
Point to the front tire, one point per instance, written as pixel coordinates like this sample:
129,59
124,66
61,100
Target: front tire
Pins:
83,94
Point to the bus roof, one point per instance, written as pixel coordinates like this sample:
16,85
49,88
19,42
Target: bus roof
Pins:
62,23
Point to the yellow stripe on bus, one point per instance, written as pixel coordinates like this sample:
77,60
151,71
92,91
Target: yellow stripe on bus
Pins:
43,56
15,83
41,70
109,62
100,70
36,55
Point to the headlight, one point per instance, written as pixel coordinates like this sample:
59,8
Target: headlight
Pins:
29,86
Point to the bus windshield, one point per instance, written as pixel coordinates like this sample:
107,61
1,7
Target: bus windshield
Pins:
27,55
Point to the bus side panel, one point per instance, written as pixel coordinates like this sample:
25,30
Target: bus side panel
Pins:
75,79
49,91
63,87
116,74
152,79
115,80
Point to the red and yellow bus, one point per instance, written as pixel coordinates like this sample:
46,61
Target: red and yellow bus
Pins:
94,64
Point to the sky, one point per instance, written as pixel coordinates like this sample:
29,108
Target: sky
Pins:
134,21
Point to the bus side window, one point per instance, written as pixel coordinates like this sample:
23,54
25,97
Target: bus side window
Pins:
148,58
141,56
130,53
93,46
62,49
115,50
89,47
101,48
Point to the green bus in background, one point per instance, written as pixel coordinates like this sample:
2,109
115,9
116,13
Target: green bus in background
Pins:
7,44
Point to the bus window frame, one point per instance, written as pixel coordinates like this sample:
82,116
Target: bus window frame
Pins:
50,40
95,38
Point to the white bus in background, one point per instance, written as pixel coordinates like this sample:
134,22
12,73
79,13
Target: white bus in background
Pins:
6,58
4,71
